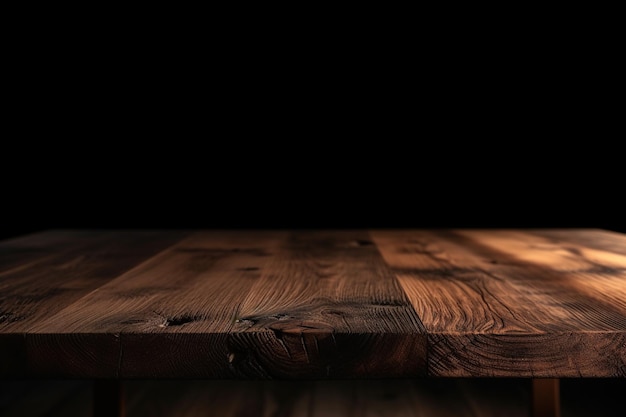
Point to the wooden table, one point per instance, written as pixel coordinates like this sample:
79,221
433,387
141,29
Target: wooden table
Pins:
113,305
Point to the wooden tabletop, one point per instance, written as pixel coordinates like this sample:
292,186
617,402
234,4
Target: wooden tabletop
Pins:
313,304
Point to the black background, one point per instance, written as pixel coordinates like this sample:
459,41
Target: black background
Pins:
280,131
314,165
390,185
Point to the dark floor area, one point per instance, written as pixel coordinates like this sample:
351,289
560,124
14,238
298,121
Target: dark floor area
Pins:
354,398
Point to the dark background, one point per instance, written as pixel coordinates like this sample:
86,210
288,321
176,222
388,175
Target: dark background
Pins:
391,185
314,163
499,126
521,162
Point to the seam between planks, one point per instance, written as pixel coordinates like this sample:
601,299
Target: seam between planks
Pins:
421,327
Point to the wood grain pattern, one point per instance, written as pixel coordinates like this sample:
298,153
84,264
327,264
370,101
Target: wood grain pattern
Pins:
511,303
591,238
23,251
224,305
168,317
34,291
66,266
314,304
328,306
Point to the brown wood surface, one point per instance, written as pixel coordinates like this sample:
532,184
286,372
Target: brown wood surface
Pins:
513,303
313,304
65,266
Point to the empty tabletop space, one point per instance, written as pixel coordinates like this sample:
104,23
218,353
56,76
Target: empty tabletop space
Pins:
313,304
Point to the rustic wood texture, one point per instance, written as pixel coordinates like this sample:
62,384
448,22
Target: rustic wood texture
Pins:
314,304
232,304
513,303
328,306
176,309
64,267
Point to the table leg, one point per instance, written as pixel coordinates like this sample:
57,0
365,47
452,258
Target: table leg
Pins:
108,399
545,397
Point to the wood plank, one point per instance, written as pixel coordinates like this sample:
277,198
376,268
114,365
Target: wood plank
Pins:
565,254
587,283
603,240
32,293
170,317
234,305
327,306
496,305
314,304
23,251
36,291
